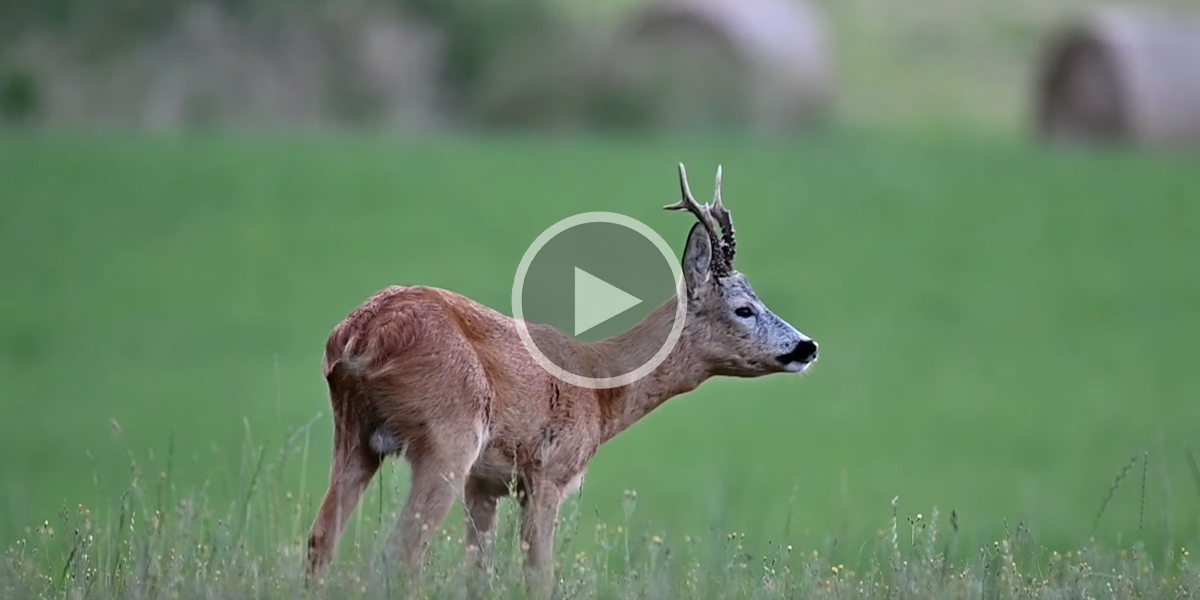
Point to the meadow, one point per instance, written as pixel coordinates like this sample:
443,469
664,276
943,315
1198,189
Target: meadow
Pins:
1007,336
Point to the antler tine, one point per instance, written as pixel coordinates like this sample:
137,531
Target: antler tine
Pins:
721,214
705,216
688,202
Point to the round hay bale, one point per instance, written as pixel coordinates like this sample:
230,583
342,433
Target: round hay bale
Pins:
762,64
1120,75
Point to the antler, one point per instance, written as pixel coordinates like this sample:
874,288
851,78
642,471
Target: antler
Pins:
721,214
724,243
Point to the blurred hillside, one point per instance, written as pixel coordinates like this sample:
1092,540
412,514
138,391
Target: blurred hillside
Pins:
420,65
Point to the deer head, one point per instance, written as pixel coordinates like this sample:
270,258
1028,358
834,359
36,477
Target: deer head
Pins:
733,330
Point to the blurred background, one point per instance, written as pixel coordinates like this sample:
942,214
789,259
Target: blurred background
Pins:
984,211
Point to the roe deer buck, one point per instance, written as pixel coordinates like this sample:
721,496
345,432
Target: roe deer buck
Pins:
445,382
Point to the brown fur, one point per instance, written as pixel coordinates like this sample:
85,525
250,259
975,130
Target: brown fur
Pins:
449,382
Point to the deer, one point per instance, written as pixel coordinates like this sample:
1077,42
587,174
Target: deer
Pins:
444,382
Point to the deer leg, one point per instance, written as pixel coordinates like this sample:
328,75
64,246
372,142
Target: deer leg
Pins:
538,515
438,477
480,536
353,467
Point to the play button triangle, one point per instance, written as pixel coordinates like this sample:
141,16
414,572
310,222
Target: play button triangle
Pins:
597,301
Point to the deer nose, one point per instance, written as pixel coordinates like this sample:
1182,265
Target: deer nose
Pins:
805,351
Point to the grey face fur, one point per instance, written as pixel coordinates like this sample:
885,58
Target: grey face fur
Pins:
736,331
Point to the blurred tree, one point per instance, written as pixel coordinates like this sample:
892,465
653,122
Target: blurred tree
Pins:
480,33
19,98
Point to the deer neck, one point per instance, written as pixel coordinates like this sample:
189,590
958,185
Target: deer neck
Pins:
679,373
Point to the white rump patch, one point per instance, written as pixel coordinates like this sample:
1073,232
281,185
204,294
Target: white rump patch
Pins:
385,442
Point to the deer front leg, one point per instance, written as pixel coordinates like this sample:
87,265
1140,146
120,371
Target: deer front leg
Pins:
538,516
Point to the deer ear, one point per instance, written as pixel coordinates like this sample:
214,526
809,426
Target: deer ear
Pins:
697,259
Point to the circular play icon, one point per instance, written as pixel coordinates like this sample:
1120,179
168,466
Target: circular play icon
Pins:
599,278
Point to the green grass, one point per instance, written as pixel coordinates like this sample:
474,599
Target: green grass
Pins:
1002,328
163,544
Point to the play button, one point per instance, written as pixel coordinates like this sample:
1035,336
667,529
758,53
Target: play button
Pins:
596,299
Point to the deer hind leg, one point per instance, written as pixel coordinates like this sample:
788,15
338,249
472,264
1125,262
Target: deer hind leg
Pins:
481,500
440,463
354,465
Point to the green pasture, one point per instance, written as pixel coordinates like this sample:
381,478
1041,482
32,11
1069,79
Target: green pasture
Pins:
1003,328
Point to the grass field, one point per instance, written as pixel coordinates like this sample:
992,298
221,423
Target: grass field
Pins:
1002,328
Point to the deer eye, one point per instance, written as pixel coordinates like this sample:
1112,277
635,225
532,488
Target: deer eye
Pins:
744,312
